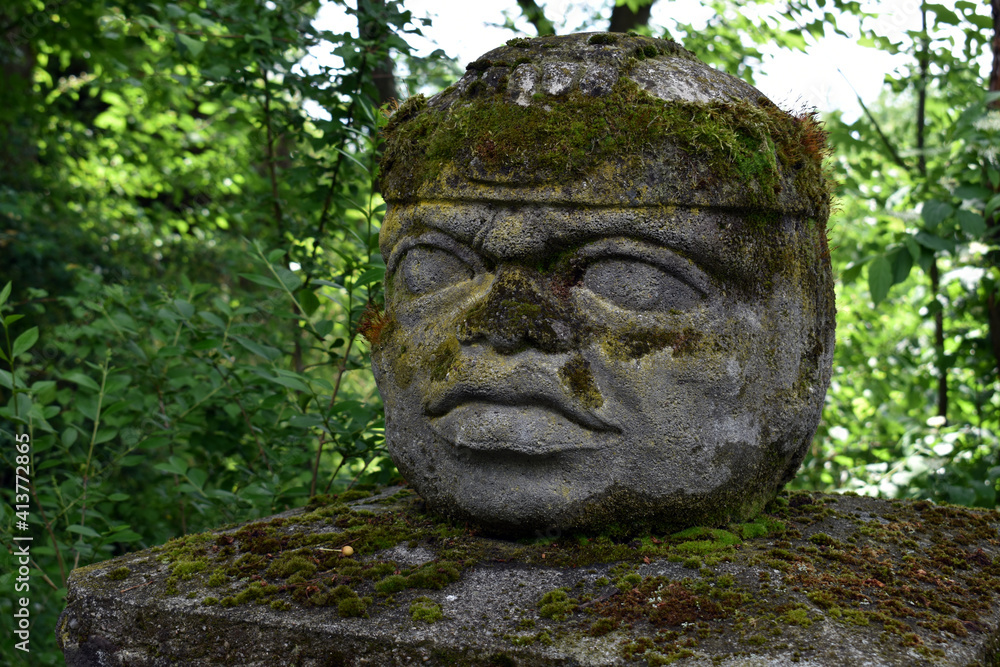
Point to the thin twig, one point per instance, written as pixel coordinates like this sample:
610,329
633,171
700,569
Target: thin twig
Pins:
342,368
90,450
52,535
132,588
343,460
166,423
885,140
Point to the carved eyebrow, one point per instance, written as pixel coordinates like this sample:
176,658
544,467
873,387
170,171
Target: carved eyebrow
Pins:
666,259
438,240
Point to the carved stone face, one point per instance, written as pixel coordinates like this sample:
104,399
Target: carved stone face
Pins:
573,365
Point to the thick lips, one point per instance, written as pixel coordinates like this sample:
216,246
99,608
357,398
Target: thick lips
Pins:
531,424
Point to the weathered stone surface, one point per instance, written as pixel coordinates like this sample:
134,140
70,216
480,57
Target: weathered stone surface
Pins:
818,580
608,289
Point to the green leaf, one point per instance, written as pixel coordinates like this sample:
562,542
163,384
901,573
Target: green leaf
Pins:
10,319
193,45
291,383
934,242
184,308
87,406
125,536
40,445
981,22
153,442
265,351
324,327
902,262
372,275
292,282
174,12
5,293
212,319
879,279
305,421
308,301
275,255
104,435
175,465
266,281
991,206
118,497
86,531
264,37
935,212
208,344
913,247
24,342
6,379
197,476
972,192
943,15
971,223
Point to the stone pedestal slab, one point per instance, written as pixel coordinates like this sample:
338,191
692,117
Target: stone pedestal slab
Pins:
818,580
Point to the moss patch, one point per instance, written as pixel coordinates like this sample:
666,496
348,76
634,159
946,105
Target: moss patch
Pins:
576,375
426,610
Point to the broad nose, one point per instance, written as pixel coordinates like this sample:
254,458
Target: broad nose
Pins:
519,312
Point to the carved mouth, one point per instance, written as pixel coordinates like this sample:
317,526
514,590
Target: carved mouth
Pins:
527,423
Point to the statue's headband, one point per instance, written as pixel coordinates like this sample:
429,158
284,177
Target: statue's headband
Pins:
604,119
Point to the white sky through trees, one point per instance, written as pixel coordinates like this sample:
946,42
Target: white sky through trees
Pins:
792,79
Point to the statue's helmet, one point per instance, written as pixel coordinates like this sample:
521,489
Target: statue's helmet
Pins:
605,118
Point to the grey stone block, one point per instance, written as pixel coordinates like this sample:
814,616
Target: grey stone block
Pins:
818,580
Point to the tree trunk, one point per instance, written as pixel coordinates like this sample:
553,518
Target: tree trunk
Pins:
536,16
17,68
923,59
993,224
372,27
995,74
624,19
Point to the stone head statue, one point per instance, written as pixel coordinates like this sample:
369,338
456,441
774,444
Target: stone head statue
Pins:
608,289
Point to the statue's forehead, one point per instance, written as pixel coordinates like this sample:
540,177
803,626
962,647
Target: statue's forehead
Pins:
511,229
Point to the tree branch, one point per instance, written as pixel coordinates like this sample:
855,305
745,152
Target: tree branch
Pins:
272,175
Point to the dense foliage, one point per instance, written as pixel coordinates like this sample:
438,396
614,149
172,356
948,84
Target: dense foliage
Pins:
189,244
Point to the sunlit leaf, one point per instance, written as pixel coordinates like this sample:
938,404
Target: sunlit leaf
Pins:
193,45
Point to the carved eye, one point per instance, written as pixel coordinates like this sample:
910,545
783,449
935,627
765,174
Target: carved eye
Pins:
426,268
638,285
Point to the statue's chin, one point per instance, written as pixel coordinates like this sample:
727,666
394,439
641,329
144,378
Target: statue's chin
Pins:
615,510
